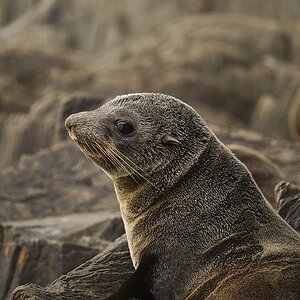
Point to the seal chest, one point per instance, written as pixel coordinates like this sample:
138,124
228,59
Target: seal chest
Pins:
196,223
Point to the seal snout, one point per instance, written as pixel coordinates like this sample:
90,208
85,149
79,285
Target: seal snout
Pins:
71,123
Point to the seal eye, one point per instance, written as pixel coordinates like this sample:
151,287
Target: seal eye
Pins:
124,127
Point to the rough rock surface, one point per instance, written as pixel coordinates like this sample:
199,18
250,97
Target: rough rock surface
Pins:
40,250
264,171
288,202
96,279
40,261
55,181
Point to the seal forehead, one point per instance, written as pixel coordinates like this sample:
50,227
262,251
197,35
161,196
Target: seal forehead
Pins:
147,98
153,103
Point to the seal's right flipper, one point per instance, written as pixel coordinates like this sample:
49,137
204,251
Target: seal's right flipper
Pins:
138,286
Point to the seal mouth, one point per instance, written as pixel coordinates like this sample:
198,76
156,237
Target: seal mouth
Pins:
86,147
72,135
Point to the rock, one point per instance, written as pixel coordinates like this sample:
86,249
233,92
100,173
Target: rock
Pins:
98,278
40,250
283,153
279,115
265,173
29,68
288,203
42,126
293,30
38,261
81,29
28,11
200,66
55,181
35,95
275,9
68,228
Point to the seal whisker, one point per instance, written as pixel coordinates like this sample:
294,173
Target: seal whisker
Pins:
94,149
91,148
123,156
100,150
117,163
120,160
132,168
130,161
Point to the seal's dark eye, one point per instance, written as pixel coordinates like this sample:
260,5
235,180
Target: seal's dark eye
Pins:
124,127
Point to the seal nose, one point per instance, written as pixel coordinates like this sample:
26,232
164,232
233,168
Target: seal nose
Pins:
70,123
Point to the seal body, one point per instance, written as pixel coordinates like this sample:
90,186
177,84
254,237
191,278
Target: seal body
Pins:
197,225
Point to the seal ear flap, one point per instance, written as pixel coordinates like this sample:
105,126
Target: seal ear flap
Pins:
167,139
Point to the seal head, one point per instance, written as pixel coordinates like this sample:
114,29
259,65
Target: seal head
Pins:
124,126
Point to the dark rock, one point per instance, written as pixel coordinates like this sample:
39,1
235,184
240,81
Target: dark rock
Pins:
281,152
40,250
199,66
276,9
288,203
265,173
67,228
56,181
8,257
41,127
98,278
38,261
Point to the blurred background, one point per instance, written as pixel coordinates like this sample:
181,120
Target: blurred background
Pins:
235,61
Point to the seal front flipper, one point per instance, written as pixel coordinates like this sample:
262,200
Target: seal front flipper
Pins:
138,286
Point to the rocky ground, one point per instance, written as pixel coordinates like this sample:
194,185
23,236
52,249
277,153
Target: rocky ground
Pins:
237,62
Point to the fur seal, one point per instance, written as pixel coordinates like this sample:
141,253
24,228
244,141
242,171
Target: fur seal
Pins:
197,225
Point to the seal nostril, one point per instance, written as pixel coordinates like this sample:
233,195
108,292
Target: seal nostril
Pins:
69,124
